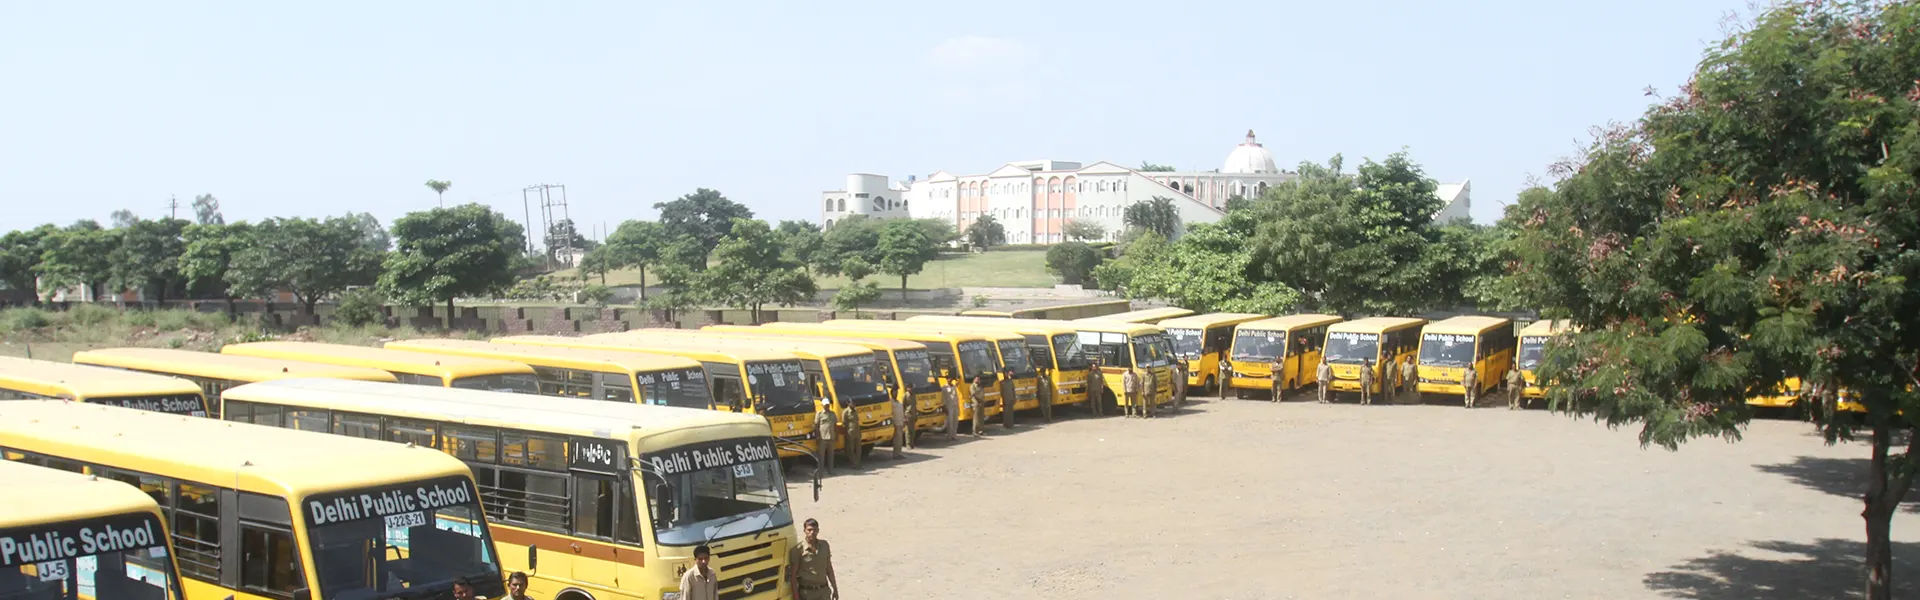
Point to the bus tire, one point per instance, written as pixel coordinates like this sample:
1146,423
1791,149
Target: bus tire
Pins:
573,594
1108,403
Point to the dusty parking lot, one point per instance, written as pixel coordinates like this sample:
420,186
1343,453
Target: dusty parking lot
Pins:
1247,499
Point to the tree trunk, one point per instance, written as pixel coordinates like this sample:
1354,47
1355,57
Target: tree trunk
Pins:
643,283
1885,491
449,313
233,312
753,313
903,289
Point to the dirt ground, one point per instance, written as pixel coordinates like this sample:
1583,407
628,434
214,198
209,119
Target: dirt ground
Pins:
1247,499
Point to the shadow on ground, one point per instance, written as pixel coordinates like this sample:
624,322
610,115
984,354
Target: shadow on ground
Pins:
1823,569
1845,477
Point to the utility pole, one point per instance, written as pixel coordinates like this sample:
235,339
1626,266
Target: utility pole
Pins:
548,202
173,206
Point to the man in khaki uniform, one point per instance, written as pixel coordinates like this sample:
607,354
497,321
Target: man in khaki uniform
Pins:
1515,384
977,404
1149,394
810,564
1007,398
1324,375
902,428
1409,378
1277,373
824,428
1130,385
698,583
1366,382
950,399
1469,386
1179,384
1046,395
1096,389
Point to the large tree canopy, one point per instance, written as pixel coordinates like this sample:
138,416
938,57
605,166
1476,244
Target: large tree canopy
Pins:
751,270
1760,225
1352,243
446,253
309,258
703,216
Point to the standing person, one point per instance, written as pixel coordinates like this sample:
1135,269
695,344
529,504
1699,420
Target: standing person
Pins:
517,586
1277,378
1408,378
1469,385
1150,394
911,406
1515,384
1226,379
901,429
1096,388
698,582
1179,384
950,400
811,565
825,427
1366,381
1324,375
1007,397
977,404
463,590
1130,385
1046,395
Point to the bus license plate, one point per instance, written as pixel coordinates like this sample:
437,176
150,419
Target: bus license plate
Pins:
406,520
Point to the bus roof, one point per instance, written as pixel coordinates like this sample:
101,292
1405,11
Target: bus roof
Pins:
1376,324
1077,325
80,382
1209,320
639,346
722,342
1547,328
996,334
550,356
905,334
1021,326
240,455
393,361
1145,315
37,495
876,343
1289,322
1044,306
1471,324
221,366
626,421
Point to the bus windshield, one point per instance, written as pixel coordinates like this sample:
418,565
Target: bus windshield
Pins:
916,371
133,565
685,388
1067,350
1186,342
408,540
1351,347
1150,350
734,488
1531,349
976,359
513,383
1257,345
856,377
781,382
1014,352
1446,349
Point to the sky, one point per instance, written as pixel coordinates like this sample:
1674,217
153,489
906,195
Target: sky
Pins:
315,109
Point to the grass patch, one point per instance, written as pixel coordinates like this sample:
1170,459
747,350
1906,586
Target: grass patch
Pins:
54,335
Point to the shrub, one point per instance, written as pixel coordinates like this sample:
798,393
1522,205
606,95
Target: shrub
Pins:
596,294
21,319
361,307
86,315
1072,261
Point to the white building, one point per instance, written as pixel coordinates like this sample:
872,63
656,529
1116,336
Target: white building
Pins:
1034,200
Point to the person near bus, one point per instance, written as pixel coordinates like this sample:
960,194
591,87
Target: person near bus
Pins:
1152,387
1096,388
1469,385
810,566
950,400
1366,381
901,427
1046,395
1179,384
1130,385
1006,397
698,583
1408,375
976,405
1277,377
1323,375
824,426
1515,383
517,586
463,590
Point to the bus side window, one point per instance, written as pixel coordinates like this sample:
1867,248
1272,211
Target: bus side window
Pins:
1218,339
727,392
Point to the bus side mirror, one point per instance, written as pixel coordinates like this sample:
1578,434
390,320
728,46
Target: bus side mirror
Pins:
533,557
663,493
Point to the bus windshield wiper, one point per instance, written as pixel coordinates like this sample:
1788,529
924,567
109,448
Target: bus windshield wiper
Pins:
715,530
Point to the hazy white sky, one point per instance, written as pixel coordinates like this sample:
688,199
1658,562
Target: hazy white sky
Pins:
315,109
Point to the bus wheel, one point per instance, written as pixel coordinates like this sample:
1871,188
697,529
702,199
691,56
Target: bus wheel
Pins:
573,595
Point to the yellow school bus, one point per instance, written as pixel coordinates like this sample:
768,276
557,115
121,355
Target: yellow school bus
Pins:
846,375
1009,350
1298,339
1054,311
29,379
1533,346
1054,347
1448,346
957,358
67,535
1119,347
593,500
769,384
215,373
907,363
263,513
416,368
576,373
1204,341
1376,341
1147,315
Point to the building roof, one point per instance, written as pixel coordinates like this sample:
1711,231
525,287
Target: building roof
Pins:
1250,157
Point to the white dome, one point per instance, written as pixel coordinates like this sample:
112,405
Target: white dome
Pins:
1249,157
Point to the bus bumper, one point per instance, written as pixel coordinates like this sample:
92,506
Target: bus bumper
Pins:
1443,389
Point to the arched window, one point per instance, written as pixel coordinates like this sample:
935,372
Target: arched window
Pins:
843,205
829,204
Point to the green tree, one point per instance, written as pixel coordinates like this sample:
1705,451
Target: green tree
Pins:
1353,244
986,232
939,232
309,258
20,253
1759,226
563,240
851,297
801,240
1135,249
78,254
446,253
206,210
1147,167
704,216
366,228
439,188
1158,215
1084,230
853,237
1209,270
597,262
207,254
751,270
904,249
635,244
1072,262
148,256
